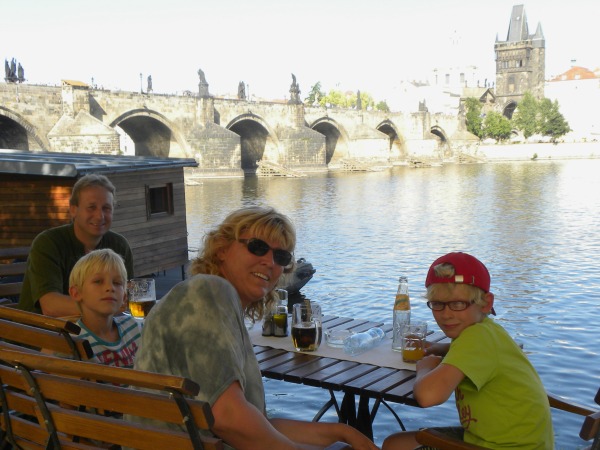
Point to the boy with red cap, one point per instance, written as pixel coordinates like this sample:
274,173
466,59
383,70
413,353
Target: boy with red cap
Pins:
499,396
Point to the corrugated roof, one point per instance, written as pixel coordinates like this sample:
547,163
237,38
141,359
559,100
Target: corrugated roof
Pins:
74,164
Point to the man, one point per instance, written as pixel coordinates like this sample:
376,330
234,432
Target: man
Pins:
54,252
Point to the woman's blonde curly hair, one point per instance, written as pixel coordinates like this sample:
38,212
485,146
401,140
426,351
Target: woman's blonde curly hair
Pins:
260,222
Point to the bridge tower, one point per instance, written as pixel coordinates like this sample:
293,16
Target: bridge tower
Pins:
520,62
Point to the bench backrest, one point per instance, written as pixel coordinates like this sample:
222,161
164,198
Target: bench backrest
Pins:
12,268
65,396
38,332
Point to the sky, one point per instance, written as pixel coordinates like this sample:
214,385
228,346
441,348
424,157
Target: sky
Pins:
350,45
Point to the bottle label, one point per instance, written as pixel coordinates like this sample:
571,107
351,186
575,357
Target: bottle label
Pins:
402,302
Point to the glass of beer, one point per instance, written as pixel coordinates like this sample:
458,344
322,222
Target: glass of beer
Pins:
141,293
306,326
413,341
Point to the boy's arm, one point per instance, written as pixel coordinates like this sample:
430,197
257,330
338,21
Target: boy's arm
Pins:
436,348
435,382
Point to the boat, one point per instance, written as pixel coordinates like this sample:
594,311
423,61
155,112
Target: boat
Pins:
302,274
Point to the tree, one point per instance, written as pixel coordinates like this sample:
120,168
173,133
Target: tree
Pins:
551,122
497,126
335,98
315,95
526,115
474,117
382,106
365,99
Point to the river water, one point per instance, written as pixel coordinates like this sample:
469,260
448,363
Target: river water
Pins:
536,225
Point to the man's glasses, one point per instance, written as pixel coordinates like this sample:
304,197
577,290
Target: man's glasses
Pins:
260,248
456,305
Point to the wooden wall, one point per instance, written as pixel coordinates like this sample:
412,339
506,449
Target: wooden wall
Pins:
30,204
158,243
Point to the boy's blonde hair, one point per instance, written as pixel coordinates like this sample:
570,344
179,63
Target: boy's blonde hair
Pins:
97,261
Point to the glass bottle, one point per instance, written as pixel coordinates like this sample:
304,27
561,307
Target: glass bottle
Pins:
401,313
280,316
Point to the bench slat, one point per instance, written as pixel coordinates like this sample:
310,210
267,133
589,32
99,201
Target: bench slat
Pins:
12,269
38,320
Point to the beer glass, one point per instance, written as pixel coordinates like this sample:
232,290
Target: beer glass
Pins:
141,293
306,326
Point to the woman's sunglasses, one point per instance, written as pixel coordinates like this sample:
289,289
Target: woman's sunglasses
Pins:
260,248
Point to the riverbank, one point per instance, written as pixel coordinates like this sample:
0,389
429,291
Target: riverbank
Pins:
541,151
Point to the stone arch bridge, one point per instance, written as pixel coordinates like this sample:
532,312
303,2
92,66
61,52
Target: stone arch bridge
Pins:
227,137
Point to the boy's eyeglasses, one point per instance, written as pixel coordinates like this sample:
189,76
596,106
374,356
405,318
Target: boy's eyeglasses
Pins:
456,305
260,248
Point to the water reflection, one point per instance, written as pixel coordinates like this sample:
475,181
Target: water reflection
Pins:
536,225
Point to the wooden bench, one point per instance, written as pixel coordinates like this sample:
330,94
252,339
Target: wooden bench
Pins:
65,397
38,332
590,429
48,388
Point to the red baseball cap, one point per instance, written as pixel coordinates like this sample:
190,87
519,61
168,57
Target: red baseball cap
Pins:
467,269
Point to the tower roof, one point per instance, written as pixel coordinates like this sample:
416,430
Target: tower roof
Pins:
517,29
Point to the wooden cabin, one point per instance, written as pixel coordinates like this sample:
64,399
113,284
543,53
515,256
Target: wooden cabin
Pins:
150,211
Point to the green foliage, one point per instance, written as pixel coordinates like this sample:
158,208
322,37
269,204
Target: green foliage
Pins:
365,99
336,98
473,117
532,116
526,115
315,95
382,106
497,126
551,122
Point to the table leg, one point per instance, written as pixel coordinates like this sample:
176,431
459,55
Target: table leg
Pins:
348,410
331,402
363,418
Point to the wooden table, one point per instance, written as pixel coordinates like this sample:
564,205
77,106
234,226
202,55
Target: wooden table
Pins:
351,375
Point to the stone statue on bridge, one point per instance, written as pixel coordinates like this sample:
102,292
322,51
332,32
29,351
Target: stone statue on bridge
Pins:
294,92
21,73
358,101
242,91
10,72
13,70
149,87
202,85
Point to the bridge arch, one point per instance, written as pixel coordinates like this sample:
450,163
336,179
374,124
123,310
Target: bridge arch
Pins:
509,109
336,138
443,149
152,134
257,141
18,134
397,142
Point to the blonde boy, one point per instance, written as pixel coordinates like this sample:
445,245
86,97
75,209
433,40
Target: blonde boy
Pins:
98,284
499,396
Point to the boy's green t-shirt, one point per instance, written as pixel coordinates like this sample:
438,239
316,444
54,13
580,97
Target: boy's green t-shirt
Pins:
501,402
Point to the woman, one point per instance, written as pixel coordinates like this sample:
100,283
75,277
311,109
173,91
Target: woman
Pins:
197,331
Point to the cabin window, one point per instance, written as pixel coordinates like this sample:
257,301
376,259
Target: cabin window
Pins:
159,200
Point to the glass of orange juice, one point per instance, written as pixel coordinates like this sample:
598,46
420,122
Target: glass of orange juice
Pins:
413,341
